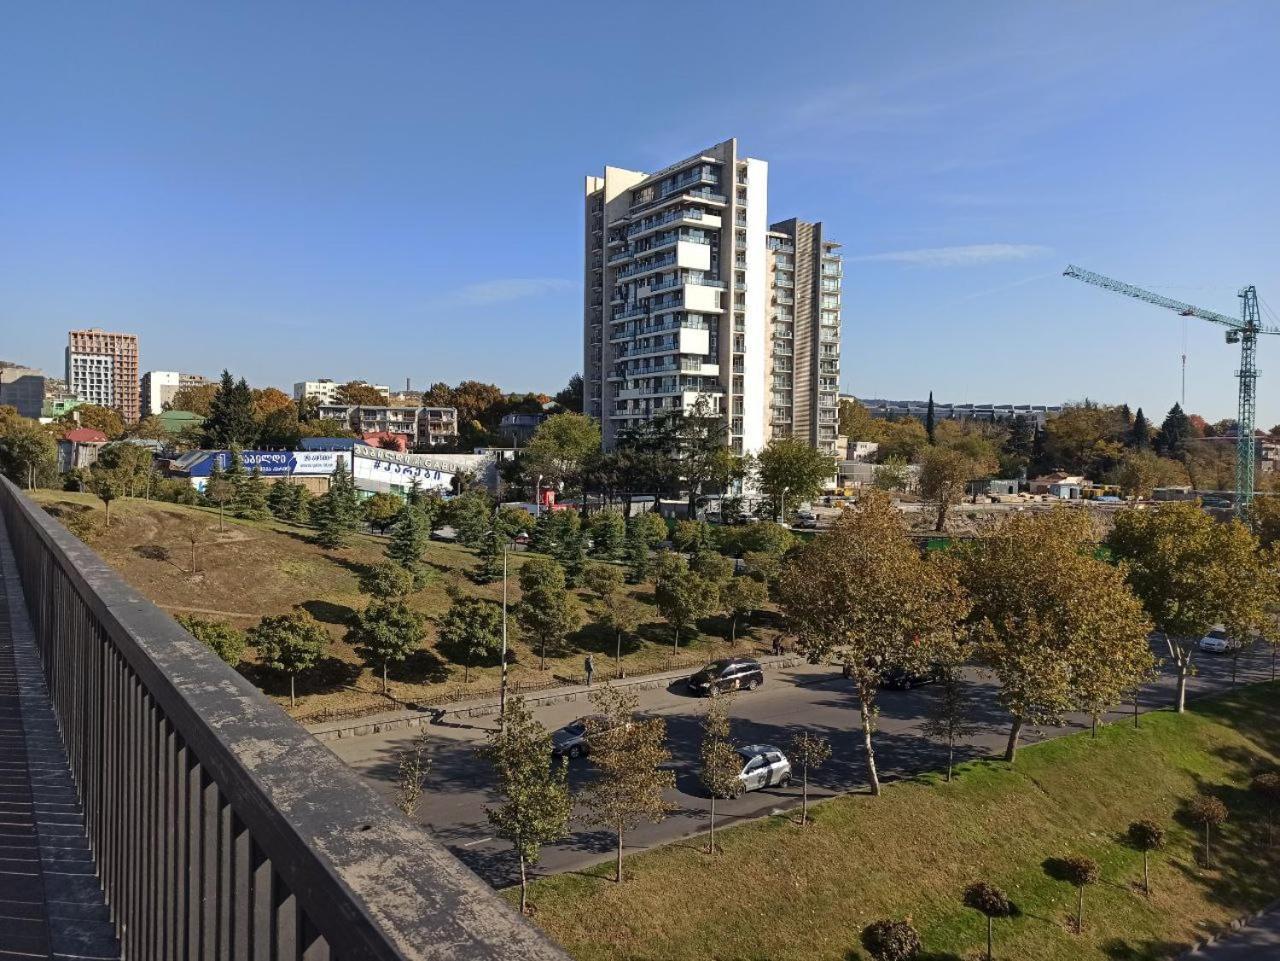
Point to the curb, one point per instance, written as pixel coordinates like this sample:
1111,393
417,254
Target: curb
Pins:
1239,923
400,720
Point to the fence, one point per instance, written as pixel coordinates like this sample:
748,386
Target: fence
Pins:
221,829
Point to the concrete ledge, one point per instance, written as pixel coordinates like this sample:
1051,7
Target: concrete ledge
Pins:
1232,928
487,707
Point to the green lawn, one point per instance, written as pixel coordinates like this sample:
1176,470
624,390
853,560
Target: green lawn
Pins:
256,568
783,892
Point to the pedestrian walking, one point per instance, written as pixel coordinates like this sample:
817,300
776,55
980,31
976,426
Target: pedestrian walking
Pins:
590,665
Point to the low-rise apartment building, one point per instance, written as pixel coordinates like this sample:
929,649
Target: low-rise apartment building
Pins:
422,426
325,390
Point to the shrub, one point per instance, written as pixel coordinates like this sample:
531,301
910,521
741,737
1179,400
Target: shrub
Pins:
219,636
888,940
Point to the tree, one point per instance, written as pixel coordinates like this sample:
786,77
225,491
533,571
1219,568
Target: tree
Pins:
381,511
682,597
856,422
930,426
689,537
570,397
1083,438
1175,433
386,581
1146,836
951,714
889,940
386,631
251,498
289,643
944,473
618,614
809,752
560,448
719,764
1267,787
410,535
1080,871
638,545
741,597
473,628
288,501
219,489
989,901
194,530
357,393
630,758
93,417
547,612
231,421
1140,472
1190,572
219,636
1048,614
107,486
337,512
1140,432
469,515
1208,812
791,465
411,775
608,531
131,463
892,475
534,803
862,592
27,451
198,399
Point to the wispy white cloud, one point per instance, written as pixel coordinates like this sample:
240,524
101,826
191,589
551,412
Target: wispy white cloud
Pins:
970,255
504,289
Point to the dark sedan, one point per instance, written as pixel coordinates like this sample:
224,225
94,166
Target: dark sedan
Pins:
728,674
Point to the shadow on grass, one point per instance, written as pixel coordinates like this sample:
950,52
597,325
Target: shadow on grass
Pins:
1120,949
421,667
330,674
327,612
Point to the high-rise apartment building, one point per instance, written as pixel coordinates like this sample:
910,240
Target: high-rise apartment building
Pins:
102,369
691,295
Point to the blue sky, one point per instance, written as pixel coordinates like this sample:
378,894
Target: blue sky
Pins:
386,190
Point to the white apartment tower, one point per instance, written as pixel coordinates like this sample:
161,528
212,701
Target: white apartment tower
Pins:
690,293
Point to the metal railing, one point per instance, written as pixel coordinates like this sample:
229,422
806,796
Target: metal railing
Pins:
219,827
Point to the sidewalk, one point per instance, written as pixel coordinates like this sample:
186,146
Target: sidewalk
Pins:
488,706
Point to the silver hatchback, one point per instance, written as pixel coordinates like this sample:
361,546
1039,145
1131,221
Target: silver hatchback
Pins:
763,765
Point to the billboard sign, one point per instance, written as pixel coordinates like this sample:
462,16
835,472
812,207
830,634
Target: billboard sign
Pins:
397,473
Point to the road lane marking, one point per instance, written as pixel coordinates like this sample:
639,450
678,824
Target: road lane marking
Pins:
471,844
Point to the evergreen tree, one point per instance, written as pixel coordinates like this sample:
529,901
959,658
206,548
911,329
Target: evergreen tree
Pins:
338,515
251,499
608,530
1126,417
280,500
235,472
231,420
929,424
1174,433
1140,433
636,551
409,538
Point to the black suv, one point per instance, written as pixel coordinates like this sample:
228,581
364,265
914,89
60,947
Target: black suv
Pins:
728,674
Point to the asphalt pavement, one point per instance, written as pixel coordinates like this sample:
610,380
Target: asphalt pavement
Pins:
1257,941
812,698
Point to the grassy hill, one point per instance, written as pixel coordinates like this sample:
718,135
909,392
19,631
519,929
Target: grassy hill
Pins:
253,569
780,892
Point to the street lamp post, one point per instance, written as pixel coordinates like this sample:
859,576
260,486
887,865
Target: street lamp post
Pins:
502,685
782,518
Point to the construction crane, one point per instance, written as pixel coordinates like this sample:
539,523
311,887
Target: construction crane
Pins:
1243,331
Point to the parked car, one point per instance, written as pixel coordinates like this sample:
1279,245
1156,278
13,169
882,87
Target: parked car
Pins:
746,517
899,678
1217,642
763,765
522,539
574,739
727,674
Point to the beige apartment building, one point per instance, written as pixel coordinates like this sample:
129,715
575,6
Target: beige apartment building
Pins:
102,369
691,294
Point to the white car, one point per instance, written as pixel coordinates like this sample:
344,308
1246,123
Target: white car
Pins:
763,765
1217,642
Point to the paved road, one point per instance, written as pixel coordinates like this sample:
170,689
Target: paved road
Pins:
803,698
1260,941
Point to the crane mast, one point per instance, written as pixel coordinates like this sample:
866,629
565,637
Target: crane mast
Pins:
1243,330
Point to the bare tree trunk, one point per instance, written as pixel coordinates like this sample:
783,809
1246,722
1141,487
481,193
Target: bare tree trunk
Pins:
384,677
617,877
1080,910
1146,874
108,524
193,558
292,699
711,842
1181,697
1093,724
524,888
1137,694
675,647
804,796
941,525
951,755
542,656
868,725
1011,749
989,955
617,657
